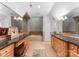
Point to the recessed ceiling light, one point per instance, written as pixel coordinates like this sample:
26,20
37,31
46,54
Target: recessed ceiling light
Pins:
0,7
38,6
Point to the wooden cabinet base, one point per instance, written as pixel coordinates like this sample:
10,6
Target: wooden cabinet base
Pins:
21,47
60,47
7,51
73,54
73,50
64,48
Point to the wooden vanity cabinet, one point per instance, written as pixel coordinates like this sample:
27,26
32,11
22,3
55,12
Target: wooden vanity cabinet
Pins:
7,51
60,47
19,43
27,42
65,48
73,50
73,54
53,41
21,47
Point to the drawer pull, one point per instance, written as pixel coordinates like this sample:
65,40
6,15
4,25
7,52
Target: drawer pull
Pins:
72,47
5,51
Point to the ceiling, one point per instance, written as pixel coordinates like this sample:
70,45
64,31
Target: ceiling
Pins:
22,7
60,9
73,13
56,9
44,9
5,11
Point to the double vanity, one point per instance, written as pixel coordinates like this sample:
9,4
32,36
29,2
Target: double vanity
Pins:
65,44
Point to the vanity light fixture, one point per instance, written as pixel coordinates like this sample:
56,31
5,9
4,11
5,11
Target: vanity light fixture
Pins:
15,18
19,18
65,17
60,18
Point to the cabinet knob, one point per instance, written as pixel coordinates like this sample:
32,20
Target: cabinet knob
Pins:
5,51
72,47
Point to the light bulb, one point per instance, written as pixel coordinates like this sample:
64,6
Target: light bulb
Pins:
38,6
19,18
15,18
65,17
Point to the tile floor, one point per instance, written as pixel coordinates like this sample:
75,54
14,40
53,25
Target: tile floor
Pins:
36,44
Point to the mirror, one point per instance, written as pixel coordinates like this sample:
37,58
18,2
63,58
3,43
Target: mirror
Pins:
7,19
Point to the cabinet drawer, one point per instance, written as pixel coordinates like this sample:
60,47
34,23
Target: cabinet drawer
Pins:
7,50
8,54
62,52
73,54
62,48
20,42
74,48
52,42
27,42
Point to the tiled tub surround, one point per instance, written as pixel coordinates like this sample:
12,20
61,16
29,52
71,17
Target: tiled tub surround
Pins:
65,44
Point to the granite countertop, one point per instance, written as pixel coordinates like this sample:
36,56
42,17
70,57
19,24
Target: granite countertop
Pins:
71,38
18,38
12,40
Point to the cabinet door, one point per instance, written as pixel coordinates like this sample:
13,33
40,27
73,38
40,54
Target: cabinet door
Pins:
19,42
62,48
74,48
52,41
56,45
7,51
